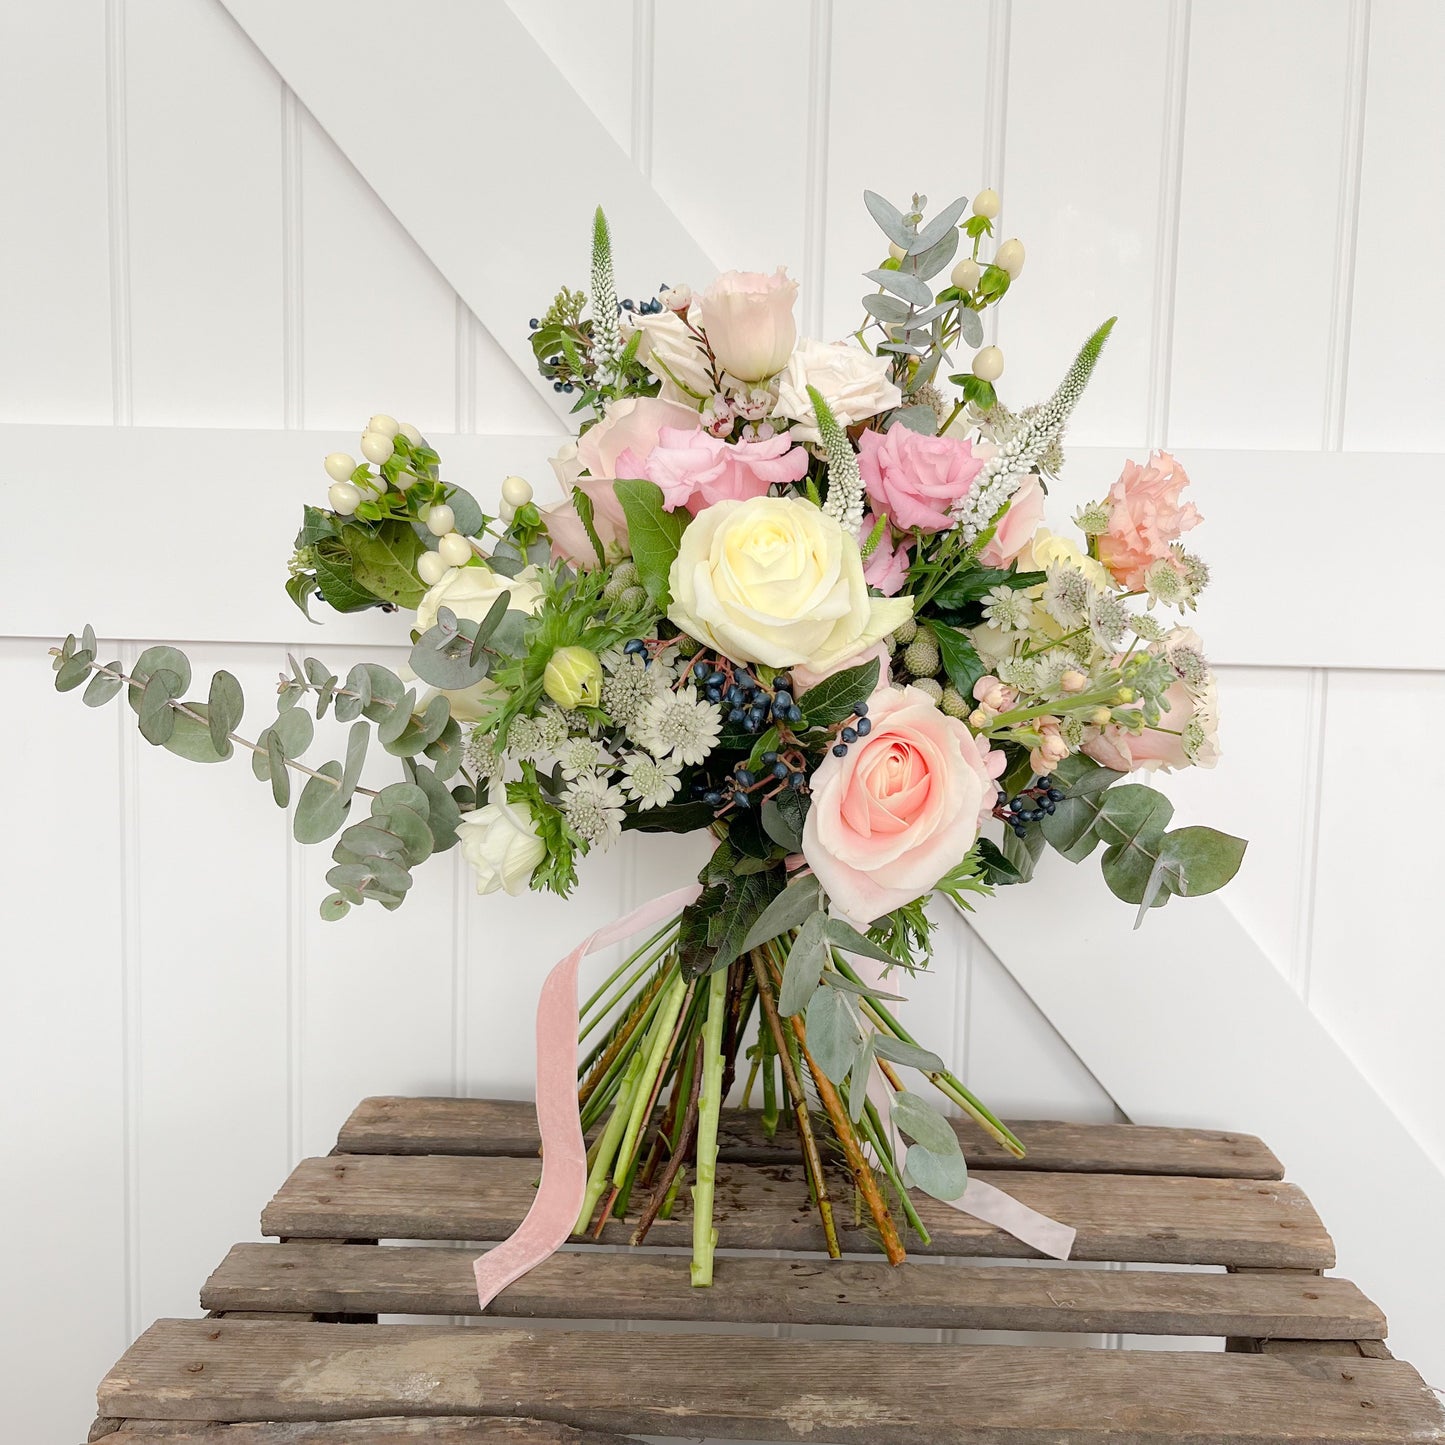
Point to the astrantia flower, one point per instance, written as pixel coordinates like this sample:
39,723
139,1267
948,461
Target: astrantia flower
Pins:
1147,627
628,690
678,724
481,756
593,809
1108,620
526,740
1164,582
579,756
1067,594
1093,518
554,729
1009,608
649,782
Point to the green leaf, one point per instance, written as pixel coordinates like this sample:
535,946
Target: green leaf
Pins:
370,839
845,936
1070,828
887,309
421,731
397,719
294,731
451,663
804,969
334,907
443,815
970,326
1199,860
414,832
488,625
157,717
921,1122
467,515
834,1036
322,808
996,868
400,795
655,535
192,739
335,580
896,1051
833,979
974,583
790,909
935,230
154,659
384,561
904,284
836,697
356,744
783,818
670,818
73,671
280,773
447,750
1079,775
922,419
1024,852
890,219
943,1176
587,515
746,900
225,707
1131,822
960,658
102,688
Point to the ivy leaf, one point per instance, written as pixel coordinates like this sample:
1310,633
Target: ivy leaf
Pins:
655,533
836,697
744,903
384,561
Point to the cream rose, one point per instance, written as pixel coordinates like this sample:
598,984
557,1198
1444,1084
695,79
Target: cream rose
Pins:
854,384
500,841
471,591
674,355
775,580
900,808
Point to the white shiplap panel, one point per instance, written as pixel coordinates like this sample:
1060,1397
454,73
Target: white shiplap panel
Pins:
210,851
62,1061
55,344
1264,124
204,132
1398,317
896,154
1084,196
1378,974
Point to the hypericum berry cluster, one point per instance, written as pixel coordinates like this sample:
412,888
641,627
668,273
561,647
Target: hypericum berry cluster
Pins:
654,307
860,727
776,771
1031,805
746,700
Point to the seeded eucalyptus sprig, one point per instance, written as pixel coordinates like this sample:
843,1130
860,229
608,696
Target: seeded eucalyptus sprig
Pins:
409,820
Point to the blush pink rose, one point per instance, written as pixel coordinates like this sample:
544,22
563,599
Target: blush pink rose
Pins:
695,469
914,478
904,805
1145,517
748,319
1017,525
570,542
805,677
886,566
633,424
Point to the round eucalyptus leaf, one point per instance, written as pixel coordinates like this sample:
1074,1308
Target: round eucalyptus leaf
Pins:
334,907
294,731
397,720
833,1034
157,717
399,795
192,739
225,706
924,1124
261,757
446,752
450,666
321,810
443,814
467,516
153,659
414,833
102,688
356,744
280,773
87,640
944,1176
73,671
421,731
372,840
384,691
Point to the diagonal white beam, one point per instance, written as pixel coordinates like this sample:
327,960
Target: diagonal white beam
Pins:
1187,1022
478,145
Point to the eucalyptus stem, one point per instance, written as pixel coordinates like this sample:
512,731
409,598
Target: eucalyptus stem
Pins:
704,1235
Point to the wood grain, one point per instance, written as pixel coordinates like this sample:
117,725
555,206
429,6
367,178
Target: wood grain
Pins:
842,1391
646,1285
1118,1217
391,1125
393,1430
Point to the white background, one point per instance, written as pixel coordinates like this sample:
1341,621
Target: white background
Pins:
1252,186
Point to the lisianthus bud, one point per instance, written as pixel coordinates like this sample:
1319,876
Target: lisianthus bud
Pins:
573,678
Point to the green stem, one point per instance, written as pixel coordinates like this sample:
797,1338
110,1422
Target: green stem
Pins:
704,1236
770,1083
661,1041
607,1144
646,948
878,1138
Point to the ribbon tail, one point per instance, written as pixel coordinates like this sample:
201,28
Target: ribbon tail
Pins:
993,1206
553,1215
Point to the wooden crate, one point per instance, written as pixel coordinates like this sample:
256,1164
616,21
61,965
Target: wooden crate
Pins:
291,1353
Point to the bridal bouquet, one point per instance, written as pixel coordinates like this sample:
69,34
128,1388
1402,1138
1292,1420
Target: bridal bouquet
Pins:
798,595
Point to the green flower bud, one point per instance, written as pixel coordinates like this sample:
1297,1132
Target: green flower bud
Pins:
921,657
573,678
954,703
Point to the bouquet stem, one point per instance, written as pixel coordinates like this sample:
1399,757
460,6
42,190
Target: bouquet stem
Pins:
704,1236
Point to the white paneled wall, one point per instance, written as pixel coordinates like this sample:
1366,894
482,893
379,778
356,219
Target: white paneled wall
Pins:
1252,186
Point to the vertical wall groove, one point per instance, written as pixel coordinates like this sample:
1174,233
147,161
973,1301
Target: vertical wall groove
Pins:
644,58
118,213
298,903
292,306
815,196
1317,704
130,1006
1166,246
1352,157
995,119
466,367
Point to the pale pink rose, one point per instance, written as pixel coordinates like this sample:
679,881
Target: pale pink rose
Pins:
570,542
916,479
890,818
1163,749
1017,525
805,677
886,566
632,424
748,319
695,469
1145,517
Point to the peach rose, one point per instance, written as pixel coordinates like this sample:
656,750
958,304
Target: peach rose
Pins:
1145,517
748,319
805,677
695,469
916,479
1017,525
904,805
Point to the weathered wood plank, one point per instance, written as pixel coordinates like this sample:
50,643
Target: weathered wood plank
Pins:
646,1285
395,1430
831,1390
393,1125
1144,1218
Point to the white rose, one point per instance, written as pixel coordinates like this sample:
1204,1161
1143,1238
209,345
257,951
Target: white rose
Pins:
672,354
500,841
566,466
775,580
854,384
470,592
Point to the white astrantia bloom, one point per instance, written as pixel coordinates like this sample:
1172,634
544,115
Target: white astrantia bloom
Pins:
650,782
1010,609
554,729
593,809
526,740
629,687
579,756
678,724
1067,594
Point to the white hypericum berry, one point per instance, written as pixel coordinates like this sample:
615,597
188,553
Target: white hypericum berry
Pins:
896,251
344,498
507,512
339,466
985,203
376,447
1010,256
388,426
965,275
517,491
412,435
440,520
430,568
988,364
454,550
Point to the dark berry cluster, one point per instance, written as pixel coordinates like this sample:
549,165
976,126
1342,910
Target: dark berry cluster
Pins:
744,698
1032,805
642,308
851,732
776,771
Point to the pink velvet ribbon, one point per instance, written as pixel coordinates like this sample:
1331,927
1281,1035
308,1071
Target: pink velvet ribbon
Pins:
553,1215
